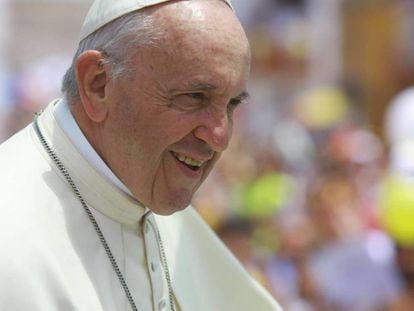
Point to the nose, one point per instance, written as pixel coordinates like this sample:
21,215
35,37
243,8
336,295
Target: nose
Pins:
215,130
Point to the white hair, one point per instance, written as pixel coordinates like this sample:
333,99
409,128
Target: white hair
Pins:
118,41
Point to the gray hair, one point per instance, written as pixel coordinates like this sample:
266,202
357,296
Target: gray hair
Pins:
118,41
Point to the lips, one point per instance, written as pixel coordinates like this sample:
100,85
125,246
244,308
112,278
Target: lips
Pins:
191,163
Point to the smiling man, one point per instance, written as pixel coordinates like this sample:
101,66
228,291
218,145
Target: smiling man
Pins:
162,129
95,193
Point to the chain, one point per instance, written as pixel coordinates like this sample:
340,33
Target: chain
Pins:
98,230
167,272
95,225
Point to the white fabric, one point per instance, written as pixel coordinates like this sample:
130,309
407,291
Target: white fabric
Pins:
70,127
52,259
105,11
399,130
399,122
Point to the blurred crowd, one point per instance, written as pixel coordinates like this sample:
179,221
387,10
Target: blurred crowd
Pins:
316,206
321,214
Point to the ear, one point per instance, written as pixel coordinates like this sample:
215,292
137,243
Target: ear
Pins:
92,79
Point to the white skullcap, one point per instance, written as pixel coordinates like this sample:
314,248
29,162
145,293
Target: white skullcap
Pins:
105,11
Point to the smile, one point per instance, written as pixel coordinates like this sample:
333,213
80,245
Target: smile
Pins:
190,162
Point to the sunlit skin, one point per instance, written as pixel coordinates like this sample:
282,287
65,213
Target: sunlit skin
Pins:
177,108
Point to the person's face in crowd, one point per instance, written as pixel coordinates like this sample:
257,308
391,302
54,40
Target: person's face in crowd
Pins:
167,126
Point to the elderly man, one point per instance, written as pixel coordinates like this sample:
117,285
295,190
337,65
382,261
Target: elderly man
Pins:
94,193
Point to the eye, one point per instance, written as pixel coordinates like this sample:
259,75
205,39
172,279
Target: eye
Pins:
197,95
190,101
233,104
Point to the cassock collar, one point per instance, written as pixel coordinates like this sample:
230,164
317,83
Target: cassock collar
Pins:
68,124
97,183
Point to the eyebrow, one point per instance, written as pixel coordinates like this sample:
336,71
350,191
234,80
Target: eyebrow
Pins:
201,86
243,96
206,86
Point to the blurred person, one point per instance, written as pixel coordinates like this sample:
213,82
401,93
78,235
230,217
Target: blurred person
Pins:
236,233
288,268
398,182
362,155
397,219
362,259
95,192
269,190
399,132
397,193
405,263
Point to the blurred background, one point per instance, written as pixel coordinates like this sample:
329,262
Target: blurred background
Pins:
315,195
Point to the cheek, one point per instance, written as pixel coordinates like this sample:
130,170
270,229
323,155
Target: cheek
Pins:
148,141
129,135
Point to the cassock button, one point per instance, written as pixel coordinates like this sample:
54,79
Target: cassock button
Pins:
153,266
146,228
162,304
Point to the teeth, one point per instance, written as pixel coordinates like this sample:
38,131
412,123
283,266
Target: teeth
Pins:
188,161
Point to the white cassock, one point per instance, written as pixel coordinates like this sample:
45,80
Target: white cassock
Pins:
52,259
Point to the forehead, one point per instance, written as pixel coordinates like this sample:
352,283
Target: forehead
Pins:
202,42
207,24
